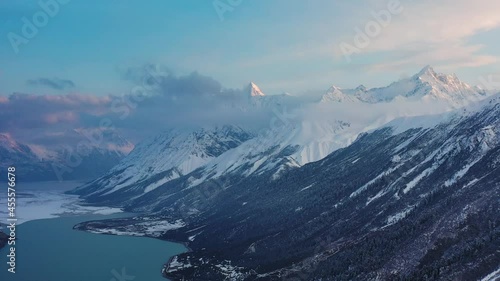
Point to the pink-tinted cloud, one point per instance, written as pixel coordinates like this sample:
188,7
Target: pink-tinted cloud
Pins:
25,111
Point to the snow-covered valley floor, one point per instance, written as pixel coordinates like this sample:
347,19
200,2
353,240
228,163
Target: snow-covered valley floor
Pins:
44,200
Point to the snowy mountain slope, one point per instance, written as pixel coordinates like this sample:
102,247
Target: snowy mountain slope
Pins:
170,155
13,152
301,143
29,164
90,154
336,94
166,157
427,85
8,144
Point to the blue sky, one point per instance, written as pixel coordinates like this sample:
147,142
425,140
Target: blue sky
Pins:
282,45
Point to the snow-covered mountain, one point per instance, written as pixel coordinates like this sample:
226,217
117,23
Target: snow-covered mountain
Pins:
12,151
166,157
427,85
254,91
28,163
256,99
9,145
90,154
296,135
307,136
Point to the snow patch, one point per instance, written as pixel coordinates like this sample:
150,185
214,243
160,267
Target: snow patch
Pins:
399,216
161,182
417,179
306,188
494,276
460,173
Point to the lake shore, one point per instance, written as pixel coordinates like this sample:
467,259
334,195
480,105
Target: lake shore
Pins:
74,251
128,227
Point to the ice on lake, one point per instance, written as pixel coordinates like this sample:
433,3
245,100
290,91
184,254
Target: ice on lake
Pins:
42,200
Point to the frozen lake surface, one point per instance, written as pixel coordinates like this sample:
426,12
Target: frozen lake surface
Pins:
41,200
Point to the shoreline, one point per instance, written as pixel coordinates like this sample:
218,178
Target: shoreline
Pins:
166,265
126,253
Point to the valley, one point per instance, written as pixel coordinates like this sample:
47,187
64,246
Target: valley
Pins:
233,140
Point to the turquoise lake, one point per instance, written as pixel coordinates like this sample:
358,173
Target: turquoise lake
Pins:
50,250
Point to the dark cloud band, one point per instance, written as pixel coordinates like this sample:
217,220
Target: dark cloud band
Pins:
53,83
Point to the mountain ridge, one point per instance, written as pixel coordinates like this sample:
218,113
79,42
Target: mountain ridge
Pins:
96,152
427,85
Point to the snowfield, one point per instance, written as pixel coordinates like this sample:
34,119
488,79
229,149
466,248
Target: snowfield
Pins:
47,200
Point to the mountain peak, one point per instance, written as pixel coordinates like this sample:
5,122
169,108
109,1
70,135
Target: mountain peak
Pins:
361,88
336,94
254,90
425,85
7,141
426,71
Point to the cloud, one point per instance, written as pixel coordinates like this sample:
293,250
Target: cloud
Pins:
26,111
158,100
49,120
433,32
184,101
53,83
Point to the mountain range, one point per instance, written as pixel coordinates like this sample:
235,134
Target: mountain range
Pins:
296,134
393,183
426,85
93,153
